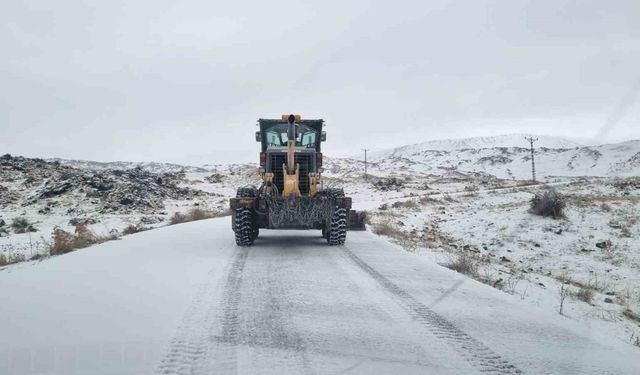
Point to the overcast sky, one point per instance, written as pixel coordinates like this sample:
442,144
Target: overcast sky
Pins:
185,81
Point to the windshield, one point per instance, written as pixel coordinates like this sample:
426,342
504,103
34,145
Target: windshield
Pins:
277,136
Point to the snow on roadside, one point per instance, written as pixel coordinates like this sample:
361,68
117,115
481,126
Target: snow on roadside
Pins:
593,249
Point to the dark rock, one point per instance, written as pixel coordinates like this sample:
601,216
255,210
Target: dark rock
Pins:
504,259
214,178
151,219
52,189
604,244
2,223
111,191
608,300
559,231
84,221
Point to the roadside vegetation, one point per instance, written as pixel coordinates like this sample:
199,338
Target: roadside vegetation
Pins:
503,239
65,242
196,214
548,203
22,225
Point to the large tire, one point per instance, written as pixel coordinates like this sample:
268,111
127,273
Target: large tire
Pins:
338,229
244,225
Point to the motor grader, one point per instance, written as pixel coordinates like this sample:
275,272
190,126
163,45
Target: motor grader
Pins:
292,195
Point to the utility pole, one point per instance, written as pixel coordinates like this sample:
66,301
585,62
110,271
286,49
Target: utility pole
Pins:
365,163
533,163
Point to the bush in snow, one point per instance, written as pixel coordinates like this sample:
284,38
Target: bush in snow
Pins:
465,263
131,229
22,225
11,259
195,214
548,203
65,242
585,294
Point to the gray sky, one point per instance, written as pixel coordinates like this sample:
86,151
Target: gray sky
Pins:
185,81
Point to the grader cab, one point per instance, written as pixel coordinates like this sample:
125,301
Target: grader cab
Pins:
291,195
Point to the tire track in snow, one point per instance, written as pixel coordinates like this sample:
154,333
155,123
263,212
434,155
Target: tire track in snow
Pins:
472,350
438,358
190,349
267,330
222,354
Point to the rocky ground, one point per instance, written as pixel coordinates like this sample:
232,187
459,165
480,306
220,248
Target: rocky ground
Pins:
43,195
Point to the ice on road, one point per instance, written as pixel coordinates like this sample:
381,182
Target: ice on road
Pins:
185,300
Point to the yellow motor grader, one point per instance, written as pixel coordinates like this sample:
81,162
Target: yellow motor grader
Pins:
291,195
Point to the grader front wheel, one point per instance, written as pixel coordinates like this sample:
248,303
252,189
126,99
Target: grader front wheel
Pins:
337,232
244,227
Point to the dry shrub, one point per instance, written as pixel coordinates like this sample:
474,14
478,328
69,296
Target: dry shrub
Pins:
629,183
428,199
15,258
465,263
631,315
385,228
585,294
177,218
131,229
195,214
18,257
448,198
410,204
402,238
65,242
548,203
199,214
22,225
386,184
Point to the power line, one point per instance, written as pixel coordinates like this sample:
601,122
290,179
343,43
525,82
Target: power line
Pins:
365,163
533,163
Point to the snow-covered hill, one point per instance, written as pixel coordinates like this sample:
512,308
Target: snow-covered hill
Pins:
506,140
611,160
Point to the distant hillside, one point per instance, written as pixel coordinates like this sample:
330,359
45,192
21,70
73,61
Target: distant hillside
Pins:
612,160
507,140
147,166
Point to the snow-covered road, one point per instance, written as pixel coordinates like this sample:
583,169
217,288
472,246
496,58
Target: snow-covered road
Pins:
185,300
